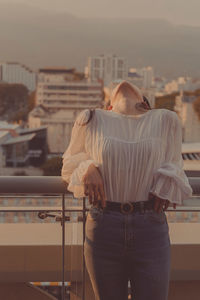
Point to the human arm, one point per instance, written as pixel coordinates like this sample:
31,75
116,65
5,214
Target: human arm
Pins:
79,170
170,182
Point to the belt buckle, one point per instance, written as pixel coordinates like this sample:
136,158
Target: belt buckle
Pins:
126,208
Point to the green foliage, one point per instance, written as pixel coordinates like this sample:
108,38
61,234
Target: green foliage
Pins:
13,100
19,115
31,101
166,101
196,106
52,167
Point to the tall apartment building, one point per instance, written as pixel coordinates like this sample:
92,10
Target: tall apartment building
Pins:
57,89
148,75
109,68
60,96
13,72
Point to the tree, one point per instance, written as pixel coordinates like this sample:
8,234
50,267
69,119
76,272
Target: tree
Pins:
166,101
196,106
52,167
31,101
16,102
13,100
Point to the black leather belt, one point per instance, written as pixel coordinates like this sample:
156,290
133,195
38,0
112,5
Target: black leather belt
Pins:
130,207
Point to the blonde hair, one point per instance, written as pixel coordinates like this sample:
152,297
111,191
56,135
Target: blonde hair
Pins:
132,86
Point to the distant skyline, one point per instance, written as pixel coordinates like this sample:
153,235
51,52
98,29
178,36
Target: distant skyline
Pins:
40,36
175,11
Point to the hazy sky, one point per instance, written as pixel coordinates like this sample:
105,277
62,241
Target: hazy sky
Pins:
176,11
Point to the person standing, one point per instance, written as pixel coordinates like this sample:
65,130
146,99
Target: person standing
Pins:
128,161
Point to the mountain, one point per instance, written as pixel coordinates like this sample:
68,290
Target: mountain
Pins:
41,38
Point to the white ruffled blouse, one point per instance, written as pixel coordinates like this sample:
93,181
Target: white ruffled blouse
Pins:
136,154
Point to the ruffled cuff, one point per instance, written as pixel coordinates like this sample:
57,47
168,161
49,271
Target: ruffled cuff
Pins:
76,185
171,183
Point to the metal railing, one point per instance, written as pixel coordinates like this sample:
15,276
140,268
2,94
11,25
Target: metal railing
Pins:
52,185
44,185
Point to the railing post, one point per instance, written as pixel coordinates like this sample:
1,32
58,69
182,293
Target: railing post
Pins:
63,246
84,220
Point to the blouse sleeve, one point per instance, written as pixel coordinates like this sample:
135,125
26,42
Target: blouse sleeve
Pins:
75,159
169,180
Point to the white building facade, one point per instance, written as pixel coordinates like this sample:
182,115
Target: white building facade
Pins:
109,68
148,75
56,90
59,99
13,72
59,127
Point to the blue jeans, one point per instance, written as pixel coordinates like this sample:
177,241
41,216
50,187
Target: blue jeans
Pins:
134,247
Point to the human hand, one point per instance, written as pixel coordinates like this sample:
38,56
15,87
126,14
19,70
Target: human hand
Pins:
160,204
93,186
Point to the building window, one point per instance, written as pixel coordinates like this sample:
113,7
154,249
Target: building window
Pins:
96,73
97,63
108,65
119,74
120,63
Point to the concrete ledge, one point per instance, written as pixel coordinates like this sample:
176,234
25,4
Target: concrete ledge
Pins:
52,184
32,185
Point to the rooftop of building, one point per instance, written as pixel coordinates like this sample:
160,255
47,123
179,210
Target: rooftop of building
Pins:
190,147
6,125
31,130
56,70
3,133
18,64
19,139
134,75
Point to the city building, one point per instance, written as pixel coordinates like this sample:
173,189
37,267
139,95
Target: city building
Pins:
57,89
21,147
148,74
141,77
59,126
108,67
14,72
37,146
4,136
188,116
60,96
182,84
135,78
191,158
159,85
